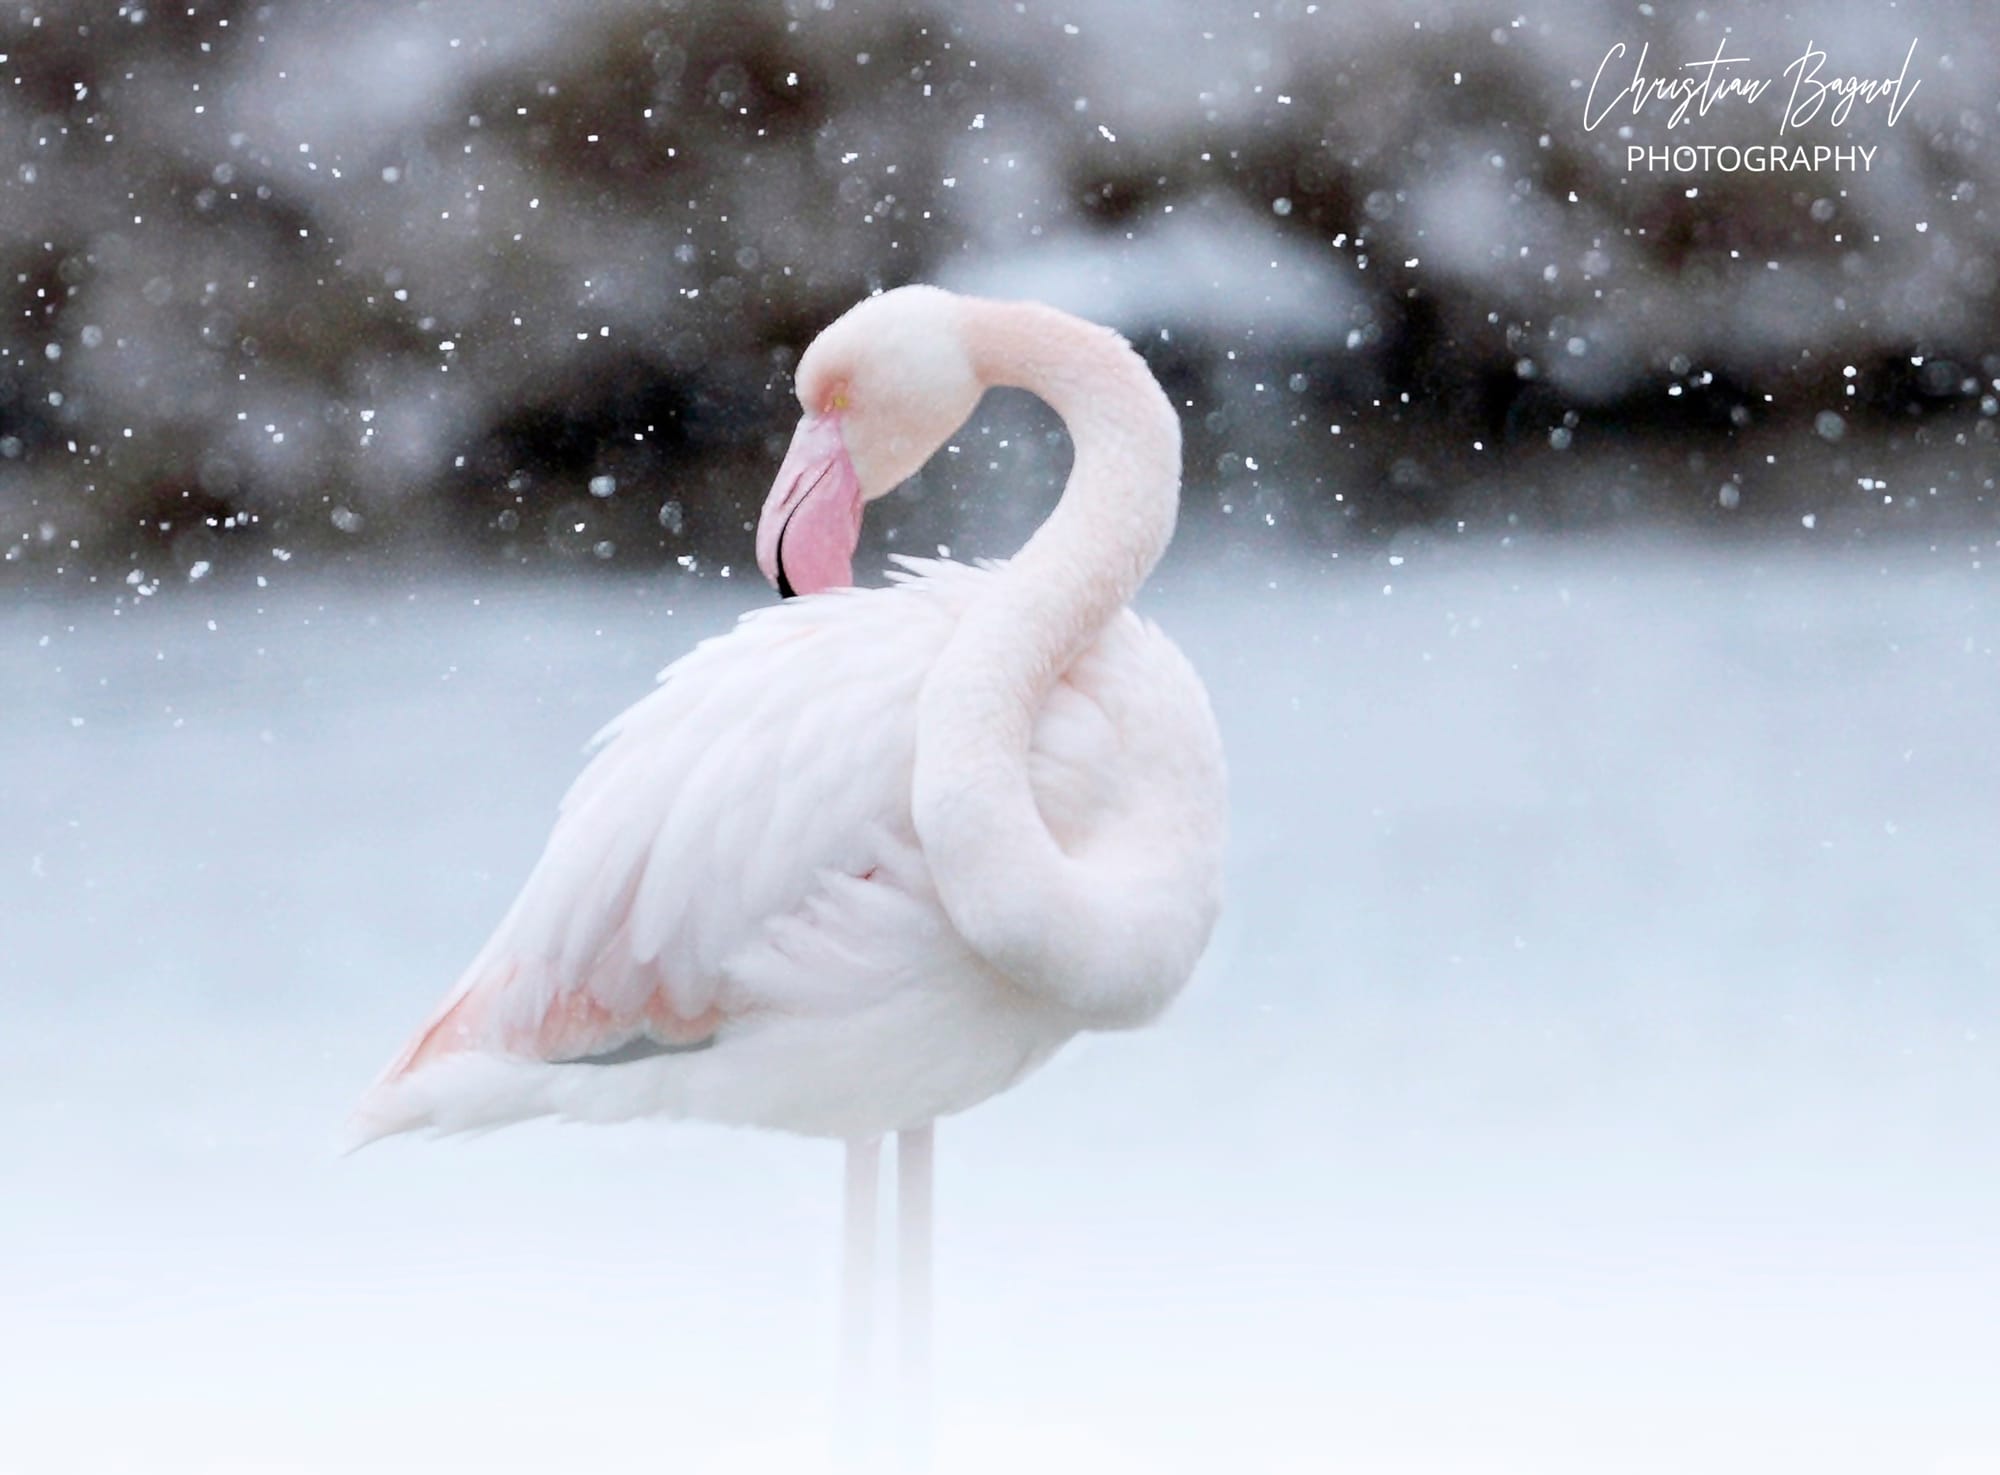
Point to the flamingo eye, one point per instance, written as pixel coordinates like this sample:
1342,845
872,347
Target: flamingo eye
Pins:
837,401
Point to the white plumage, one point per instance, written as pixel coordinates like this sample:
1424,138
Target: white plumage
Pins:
679,862
871,855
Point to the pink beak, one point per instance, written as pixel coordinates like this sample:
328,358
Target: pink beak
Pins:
812,519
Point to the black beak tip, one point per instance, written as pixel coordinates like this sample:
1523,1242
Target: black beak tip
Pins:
785,589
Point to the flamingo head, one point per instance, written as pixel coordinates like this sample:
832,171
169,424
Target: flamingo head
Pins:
882,388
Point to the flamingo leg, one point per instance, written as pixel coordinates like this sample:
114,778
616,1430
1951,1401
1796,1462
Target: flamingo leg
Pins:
857,1302
915,1159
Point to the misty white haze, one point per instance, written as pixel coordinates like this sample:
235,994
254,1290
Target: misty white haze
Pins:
1594,1069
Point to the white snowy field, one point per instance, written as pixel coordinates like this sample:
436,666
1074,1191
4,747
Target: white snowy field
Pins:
1598,1069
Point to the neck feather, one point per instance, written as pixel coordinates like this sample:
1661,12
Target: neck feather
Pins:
1117,511
1029,909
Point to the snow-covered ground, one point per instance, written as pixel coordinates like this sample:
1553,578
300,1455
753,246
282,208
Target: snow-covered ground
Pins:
1598,1068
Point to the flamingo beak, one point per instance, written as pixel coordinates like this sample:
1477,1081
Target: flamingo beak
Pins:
812,519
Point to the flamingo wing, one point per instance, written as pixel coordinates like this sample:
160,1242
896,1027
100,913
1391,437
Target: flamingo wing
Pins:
712,809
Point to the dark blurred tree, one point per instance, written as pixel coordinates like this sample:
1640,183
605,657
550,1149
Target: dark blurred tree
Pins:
528,278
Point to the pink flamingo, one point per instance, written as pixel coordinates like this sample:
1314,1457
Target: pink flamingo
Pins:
874,854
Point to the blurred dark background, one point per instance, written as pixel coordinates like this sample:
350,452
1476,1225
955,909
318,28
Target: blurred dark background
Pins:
524,281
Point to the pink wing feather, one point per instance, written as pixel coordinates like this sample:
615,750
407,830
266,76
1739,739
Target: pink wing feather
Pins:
767,757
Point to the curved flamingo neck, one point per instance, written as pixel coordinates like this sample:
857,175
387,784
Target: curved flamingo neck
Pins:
1113,521
1118,508
1052,924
